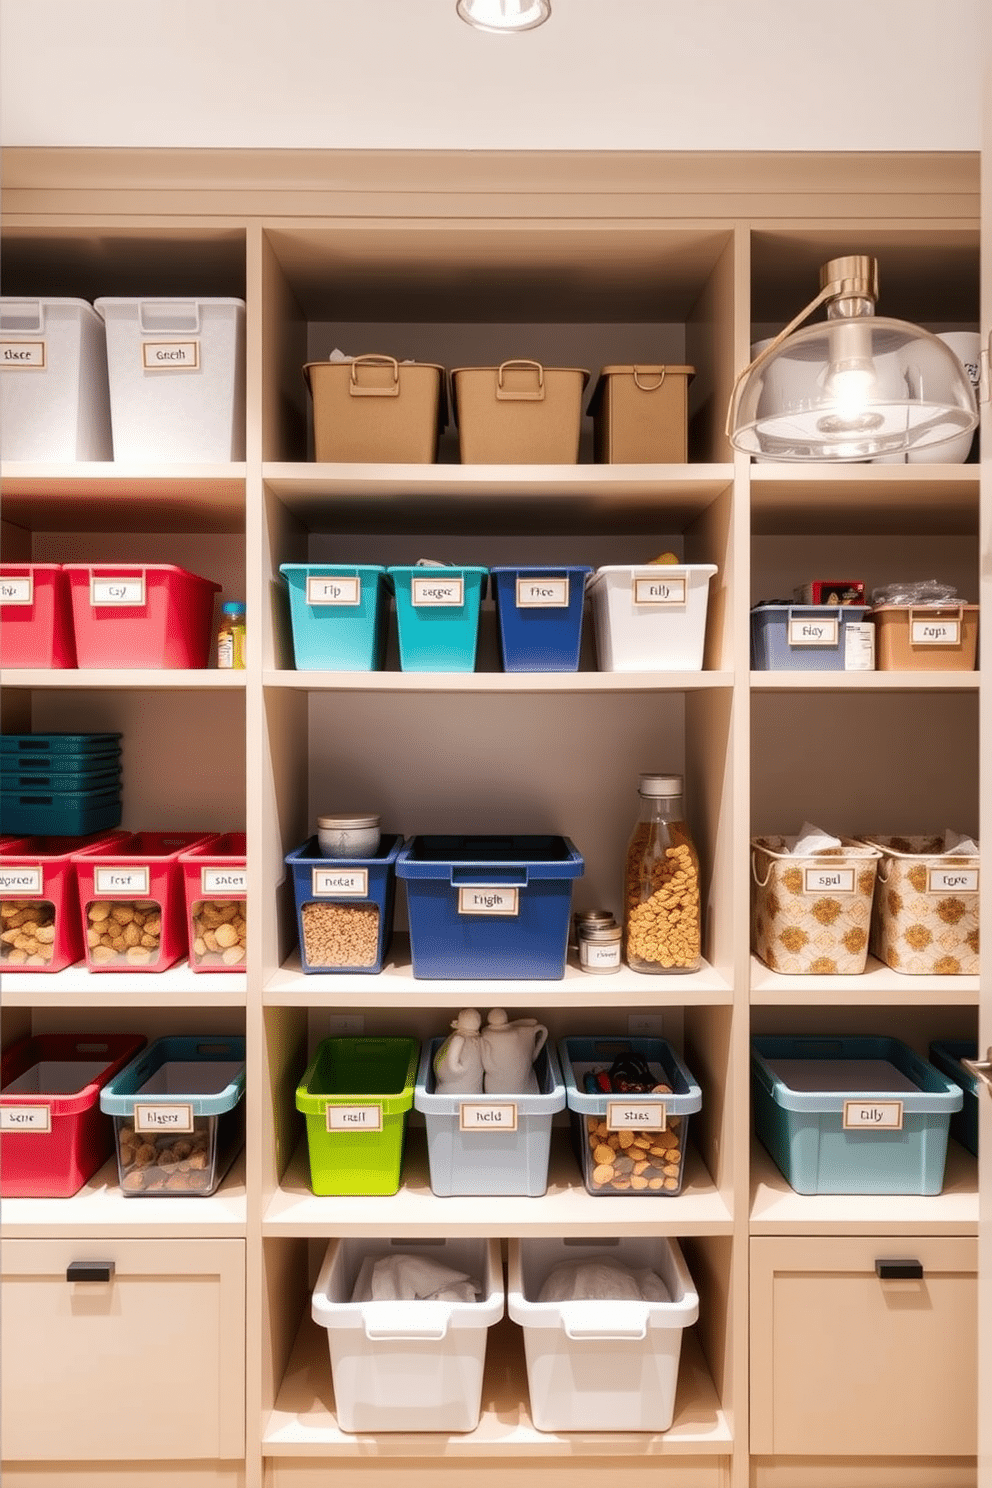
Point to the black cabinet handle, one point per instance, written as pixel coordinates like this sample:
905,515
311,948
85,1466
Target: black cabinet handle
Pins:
894,1270
89,1271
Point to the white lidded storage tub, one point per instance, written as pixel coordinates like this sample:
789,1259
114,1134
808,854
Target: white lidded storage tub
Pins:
408,1365
650,618
601,1361
177,378
54,403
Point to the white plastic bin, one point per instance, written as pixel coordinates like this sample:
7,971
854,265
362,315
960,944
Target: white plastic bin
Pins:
54,402
408,1366
650,618
599,1361
177,378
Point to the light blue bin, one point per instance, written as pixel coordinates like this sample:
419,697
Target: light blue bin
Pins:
493,1160
339,614
437,616
802,1123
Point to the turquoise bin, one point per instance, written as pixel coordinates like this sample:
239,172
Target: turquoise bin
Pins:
339,614
437,616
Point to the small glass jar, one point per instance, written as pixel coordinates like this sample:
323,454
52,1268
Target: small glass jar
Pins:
583,917
348,836
600,946
662,899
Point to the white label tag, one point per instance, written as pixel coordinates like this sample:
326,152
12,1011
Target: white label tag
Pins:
814,632
935,632
18,881
220,881
542,594
437,591
659,591
859,647
593,954
629,1116
25,1118
952,880
343,883
354,1118
163,1118
117,591
170,356
334,591
828,880
19,591
882,1115
130,881
487,1117
20,354
484,900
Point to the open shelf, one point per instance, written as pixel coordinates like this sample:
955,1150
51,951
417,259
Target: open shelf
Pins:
76,987
94,496
864,681
179,679
920,500
878,984
552,682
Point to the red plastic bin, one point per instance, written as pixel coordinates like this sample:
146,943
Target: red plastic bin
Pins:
35,616
138,887
141,615
53,1135
216,881
38,894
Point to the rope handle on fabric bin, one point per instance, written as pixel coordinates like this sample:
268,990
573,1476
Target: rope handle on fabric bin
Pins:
374,359
649,387
761,882
506,396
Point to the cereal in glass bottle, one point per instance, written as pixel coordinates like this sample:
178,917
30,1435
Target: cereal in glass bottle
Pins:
662,927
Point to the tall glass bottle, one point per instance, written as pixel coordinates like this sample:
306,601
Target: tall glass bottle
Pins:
662,920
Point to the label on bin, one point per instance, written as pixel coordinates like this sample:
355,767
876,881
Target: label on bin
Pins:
659,591
121,881
19,591
354,1118
334,883
26,1118
943,880
170,356
334,591
219,881
163,1118
483,899
22,880
859,647
885,1115
488,1117
814,632
437,591
935,632
544,594
828,880
20,354
125,590
631,1116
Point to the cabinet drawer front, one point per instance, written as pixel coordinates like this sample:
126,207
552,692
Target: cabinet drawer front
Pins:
845,1362
148,1364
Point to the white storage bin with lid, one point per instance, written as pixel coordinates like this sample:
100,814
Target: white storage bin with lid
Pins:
54,402
651,617
601,1361
408,1365
177,378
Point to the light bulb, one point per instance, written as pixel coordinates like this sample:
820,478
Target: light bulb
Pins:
504,15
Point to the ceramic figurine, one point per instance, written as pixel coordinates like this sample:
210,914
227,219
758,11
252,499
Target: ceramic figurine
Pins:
508,1054
458,1062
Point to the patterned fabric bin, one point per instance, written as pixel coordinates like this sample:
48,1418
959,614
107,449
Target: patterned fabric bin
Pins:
811,915
925,921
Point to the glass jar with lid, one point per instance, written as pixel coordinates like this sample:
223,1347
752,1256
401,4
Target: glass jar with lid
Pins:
662,920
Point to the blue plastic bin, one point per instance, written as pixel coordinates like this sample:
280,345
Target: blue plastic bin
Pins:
48,746
947,1055
22,781
339,614
539,611
350,895
60,813
805,1088
784,639
437,617
489,908
510,1156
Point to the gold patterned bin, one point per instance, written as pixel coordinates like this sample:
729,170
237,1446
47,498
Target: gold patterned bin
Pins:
925,921
811,915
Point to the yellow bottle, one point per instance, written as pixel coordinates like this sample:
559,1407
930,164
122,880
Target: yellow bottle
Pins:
231,636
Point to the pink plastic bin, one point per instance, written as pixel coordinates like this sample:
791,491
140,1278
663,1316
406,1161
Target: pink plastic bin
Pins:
141,615
35,616
215,874
38,877
141,874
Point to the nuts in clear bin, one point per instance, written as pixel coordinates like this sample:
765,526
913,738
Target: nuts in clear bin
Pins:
340,934
128,931
219,932
618,1161
150,1162
27,932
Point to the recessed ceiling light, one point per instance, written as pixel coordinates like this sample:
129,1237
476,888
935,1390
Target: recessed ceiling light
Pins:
504,15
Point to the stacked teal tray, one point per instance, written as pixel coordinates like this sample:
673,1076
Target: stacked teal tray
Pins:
63,785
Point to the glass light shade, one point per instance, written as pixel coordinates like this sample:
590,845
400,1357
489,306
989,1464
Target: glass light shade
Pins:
504,15
853,388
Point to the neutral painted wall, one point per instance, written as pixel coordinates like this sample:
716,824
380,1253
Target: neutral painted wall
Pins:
651,74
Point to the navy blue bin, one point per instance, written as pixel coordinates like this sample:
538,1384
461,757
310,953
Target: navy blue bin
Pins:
344,906
946,1055
489,908
539,610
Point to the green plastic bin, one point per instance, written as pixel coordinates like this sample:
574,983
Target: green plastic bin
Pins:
356,1095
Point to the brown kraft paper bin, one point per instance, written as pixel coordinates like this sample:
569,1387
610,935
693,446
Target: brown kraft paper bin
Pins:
895,650
519,413
641,415
374,409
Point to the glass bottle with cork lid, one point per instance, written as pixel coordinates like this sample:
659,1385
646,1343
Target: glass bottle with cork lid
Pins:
661,916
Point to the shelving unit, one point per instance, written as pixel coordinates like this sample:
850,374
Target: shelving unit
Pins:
601,260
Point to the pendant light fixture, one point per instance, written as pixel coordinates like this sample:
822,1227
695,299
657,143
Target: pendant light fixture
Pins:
852,387
504,15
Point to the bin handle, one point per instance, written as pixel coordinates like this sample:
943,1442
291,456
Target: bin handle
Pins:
155,317
475,877
24,316
627,1320
504,395
374,359
882,877
649,387
408,1320
761,882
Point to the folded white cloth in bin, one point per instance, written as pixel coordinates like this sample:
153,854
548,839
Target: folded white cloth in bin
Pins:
810,840
609,1280
957,846
408,1278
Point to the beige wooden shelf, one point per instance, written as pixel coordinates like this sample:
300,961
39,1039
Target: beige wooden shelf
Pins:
134,679
76,987
471,682
97,496
864,681
878,984
855,500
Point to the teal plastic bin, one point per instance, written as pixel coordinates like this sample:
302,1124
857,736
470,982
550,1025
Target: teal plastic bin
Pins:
339,614
437,617
356,1096
947,1055
852,1115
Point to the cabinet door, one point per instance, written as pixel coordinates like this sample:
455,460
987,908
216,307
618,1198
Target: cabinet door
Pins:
147,1364
847,1362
